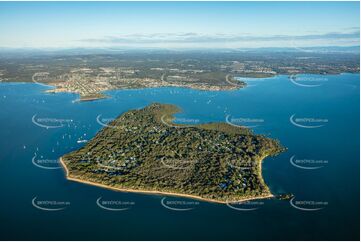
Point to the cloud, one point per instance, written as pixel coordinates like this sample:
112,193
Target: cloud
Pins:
195,38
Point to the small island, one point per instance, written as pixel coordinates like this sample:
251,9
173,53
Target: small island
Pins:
143,151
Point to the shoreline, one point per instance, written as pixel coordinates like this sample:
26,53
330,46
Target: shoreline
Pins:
149,192
54,89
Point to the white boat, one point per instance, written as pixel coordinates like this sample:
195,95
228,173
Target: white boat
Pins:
82,141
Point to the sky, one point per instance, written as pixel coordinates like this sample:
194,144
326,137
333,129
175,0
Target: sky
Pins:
178,24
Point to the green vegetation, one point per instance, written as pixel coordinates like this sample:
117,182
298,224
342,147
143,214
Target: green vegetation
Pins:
209,66
89,72
92,96
143,150
286,196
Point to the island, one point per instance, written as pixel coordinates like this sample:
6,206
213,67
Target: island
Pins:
145,151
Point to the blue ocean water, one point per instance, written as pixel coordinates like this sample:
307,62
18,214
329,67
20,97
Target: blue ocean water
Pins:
323,134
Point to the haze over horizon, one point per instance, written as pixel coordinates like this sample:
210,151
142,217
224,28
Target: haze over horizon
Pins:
178,24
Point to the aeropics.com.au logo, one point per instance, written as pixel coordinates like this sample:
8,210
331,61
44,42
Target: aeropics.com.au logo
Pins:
179,122
48,164
244,122
49,205
307,81
50,123
307,205
242,165
307,164
178,204
105,122
177,164
41,77
308,123
114,205
245,205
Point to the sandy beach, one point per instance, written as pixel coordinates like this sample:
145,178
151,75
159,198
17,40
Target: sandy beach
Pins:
67,174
